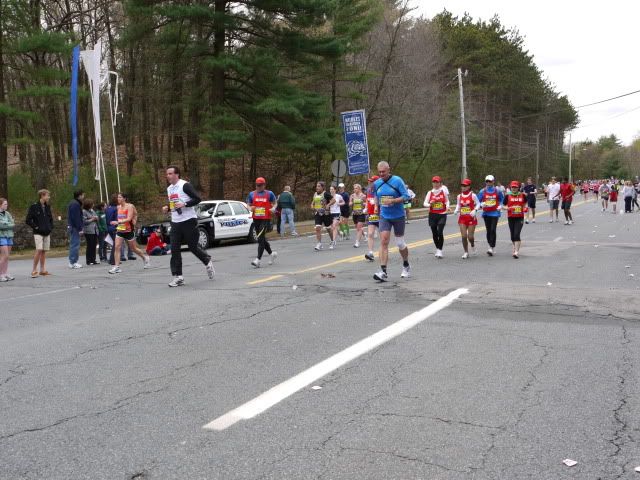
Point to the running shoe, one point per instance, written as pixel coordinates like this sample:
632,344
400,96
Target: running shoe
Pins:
465,255
551,221
9,277
211,272
439,254
318,247
272,258
516,255
527,222
177,282
369,256
4,279
406,272
332,245
147,262
295,234
381,276
75,266
566,222
533,221
256,263
356,245
490,252
570,222
473,250
115,270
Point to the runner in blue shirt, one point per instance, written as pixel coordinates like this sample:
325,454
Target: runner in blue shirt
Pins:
391,194
490,200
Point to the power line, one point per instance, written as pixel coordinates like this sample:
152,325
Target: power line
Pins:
608,118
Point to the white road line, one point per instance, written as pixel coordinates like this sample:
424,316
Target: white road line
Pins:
557,239
49,292
287,388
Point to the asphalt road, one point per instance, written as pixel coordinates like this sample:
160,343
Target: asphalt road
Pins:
114,377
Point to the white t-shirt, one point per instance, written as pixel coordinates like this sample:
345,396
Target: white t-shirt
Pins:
339,201
553,190
176,194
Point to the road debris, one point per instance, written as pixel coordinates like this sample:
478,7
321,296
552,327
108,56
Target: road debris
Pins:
569,463
316,387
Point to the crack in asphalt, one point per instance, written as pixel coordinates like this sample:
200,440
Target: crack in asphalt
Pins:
123,402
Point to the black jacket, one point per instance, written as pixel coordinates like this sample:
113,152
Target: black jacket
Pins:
40,219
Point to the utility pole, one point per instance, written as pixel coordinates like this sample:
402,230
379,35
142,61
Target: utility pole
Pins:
537,157
464,131
570,159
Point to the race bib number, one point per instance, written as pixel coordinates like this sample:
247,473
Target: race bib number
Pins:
437,206
384,198
121,227
465,210
374,217
260,211
517,209
490,202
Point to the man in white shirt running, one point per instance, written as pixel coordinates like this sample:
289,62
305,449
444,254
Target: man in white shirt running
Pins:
553,196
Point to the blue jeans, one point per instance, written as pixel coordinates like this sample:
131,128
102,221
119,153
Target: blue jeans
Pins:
287,215
74,245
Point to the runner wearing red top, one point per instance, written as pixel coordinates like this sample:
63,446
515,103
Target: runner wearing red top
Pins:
585,190
373,217
437,201
516,203
467,207
567,190
262,203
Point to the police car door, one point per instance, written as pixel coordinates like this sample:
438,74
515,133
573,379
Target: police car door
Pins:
225,222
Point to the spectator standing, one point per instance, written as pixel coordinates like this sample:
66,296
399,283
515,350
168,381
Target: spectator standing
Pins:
627,193
75,227
111,215
102,231
287,206
6,240
40,219
90,220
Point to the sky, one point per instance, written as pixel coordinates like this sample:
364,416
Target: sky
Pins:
588,50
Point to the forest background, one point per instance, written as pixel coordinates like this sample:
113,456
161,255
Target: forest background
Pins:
232,90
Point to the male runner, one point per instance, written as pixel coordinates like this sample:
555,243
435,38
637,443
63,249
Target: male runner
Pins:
262,204
184,225
567,190
345,211
604,194
530,190
553,195
390,197
320,206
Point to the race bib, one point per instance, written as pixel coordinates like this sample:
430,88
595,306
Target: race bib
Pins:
465,210
490,202
260,211
121,227
384,198
517,209
172,205
437,206
374,217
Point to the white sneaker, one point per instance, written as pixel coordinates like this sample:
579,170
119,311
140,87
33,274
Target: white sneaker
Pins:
115,270
272,258
332,245
516,254
551,221
177,282
473,250
381,276
465,255
406,272
570,222
211,272
439,254
147,262
318,247
533,221
356,245
527,222
566,222
369,256
490,252
3,279
256,263
75,266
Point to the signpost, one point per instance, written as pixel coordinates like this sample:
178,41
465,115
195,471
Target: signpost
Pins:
354,126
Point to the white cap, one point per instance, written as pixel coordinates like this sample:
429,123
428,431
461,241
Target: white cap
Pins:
489,178
341,185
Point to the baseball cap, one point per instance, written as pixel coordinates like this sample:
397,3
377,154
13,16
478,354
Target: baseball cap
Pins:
260,181
515,183
436,179
466,182
374,178
341,185
489,178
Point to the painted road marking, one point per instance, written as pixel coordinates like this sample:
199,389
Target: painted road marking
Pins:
287,388
51,292
557,239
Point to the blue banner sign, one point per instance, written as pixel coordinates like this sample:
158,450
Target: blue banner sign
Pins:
73,110
354,125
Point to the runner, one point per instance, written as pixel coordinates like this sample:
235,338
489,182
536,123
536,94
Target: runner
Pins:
596,189
585,190
516,203
345,212
604,194
184,225
373,217
390,197
335,208
262,204
438,204
613,196
553,195
322,217
357,203
467,207
531,191
490,200
567,190
125,233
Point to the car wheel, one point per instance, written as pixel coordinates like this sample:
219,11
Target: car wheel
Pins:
252,238
203,239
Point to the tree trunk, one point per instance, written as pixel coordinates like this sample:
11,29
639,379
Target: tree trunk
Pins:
4,170
216,171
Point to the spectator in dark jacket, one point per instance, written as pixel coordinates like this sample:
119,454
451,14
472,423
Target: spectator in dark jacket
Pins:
287,205
75,227
40,220
90,219
112,216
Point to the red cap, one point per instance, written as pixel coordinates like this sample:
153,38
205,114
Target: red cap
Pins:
515,183
466,182
261,181
436,179
374,178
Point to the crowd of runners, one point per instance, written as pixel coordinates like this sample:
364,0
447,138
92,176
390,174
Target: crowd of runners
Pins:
377,210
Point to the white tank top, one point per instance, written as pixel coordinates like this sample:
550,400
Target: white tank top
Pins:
176,194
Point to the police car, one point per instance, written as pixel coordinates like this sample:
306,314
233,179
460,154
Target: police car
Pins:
217,220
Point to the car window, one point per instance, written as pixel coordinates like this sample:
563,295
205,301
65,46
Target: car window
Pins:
204,207
240,209
224,209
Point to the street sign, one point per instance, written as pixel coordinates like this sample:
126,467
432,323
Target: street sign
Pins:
339,168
